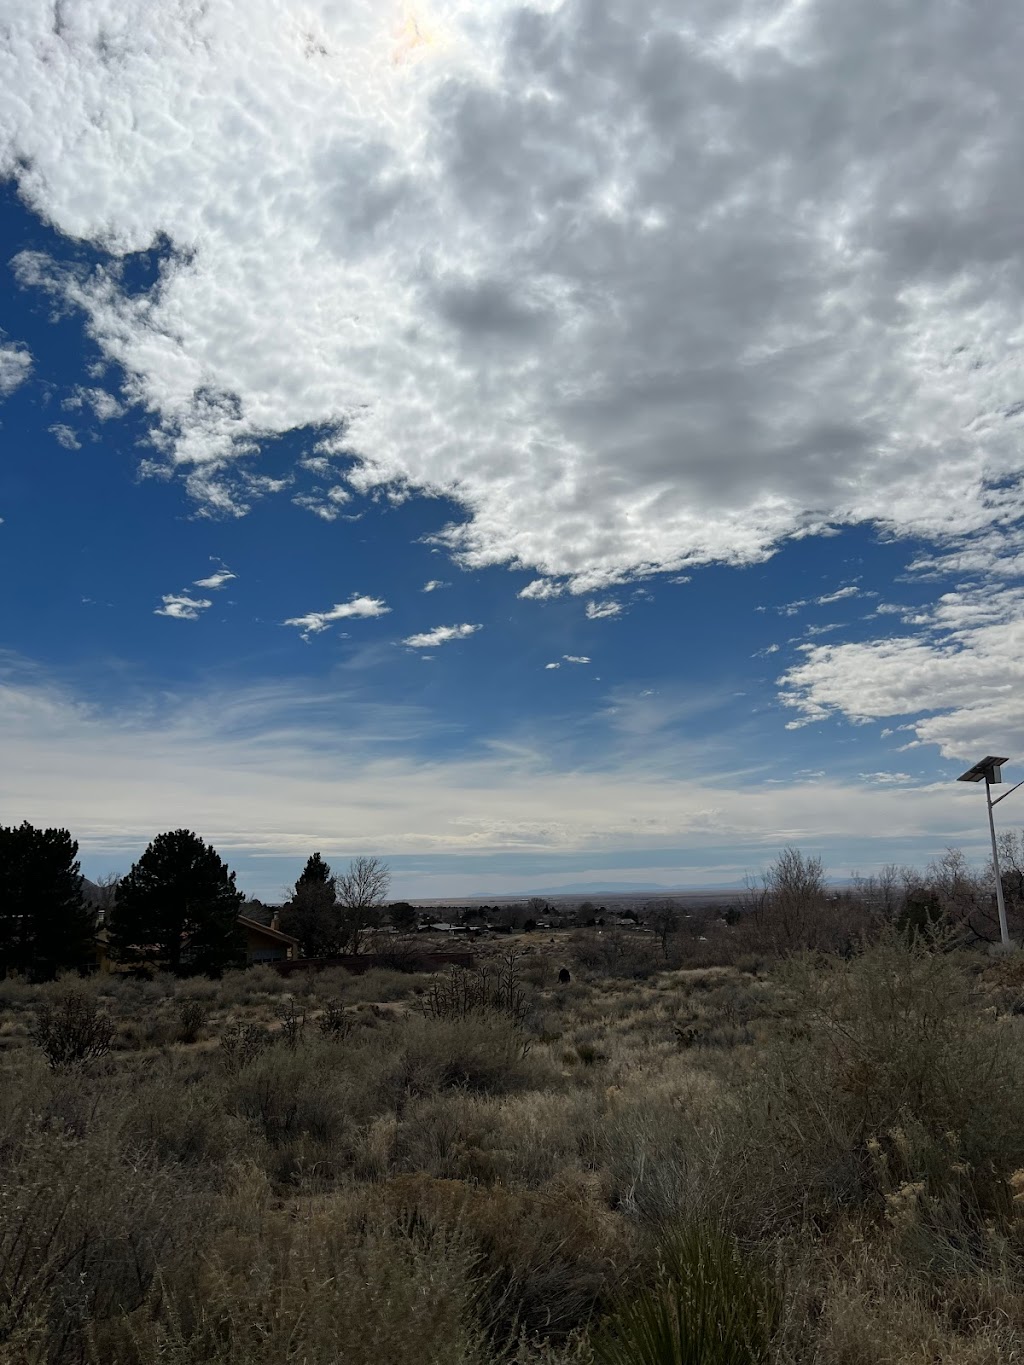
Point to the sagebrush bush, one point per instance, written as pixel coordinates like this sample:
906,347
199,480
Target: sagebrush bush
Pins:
316,1289
82,1235
892,1036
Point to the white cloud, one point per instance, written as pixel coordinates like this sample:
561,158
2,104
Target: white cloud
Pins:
640,285
598,611
103,404
356,608
541,589
575,658
433,585
884,779
65,436
849,591
217,579
440,635
326,511
552,666
182,607
959,677
281,768
792,608
15,367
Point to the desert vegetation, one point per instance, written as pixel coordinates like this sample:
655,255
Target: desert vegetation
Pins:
793,1137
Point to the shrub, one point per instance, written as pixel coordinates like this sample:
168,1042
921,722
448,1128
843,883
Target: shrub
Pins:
70,1028
82,1237
462,993
890,1041
241,1044
191,1017
293,1023
547,1258
335,1021
315,1288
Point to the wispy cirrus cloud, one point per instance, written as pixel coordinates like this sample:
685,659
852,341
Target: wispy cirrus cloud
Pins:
215,580
826,599
278,775
440,635
356,608
600,611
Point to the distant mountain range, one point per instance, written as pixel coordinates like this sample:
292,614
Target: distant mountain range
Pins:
604,889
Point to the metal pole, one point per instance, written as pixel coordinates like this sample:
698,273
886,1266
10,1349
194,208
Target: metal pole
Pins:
1004,933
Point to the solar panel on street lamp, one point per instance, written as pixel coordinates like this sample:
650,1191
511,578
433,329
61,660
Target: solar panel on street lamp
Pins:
986,767
990,769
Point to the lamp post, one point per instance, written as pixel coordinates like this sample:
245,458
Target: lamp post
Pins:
991,770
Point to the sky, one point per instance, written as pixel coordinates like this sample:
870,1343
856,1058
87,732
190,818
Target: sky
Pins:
542,445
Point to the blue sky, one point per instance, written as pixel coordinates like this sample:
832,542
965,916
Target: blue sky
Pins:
536,444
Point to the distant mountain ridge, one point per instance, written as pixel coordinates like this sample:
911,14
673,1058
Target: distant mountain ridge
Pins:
606,889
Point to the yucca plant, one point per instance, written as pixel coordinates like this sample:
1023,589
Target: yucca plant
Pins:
710,1305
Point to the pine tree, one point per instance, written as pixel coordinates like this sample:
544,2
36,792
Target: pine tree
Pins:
312,914
177,909
317,873
44,922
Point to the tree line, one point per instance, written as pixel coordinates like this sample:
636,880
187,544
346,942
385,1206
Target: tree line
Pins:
177,909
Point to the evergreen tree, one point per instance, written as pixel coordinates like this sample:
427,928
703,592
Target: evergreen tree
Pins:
45,924
311,914
177,909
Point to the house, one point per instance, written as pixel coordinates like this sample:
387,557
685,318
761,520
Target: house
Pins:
263,943
266,942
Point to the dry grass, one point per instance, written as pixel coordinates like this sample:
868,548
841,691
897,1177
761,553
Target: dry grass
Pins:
485,1189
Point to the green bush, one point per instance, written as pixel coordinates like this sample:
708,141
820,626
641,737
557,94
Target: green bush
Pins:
711,1305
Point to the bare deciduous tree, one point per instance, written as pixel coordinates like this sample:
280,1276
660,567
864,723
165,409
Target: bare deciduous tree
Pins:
365,885
794,895
662,918
362,891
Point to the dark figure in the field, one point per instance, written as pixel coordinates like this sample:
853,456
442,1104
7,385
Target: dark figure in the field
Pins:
564,977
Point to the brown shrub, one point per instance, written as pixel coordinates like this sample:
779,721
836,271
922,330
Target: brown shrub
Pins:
548,1257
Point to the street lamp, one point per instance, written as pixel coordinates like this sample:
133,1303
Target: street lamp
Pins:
991,769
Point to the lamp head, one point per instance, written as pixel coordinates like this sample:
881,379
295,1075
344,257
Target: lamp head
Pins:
989,767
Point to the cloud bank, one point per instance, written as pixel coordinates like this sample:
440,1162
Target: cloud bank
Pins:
641,286
280,769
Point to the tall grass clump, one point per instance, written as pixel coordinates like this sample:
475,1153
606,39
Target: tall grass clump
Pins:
710,1305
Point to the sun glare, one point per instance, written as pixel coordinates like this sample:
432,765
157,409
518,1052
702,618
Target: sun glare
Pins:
416,36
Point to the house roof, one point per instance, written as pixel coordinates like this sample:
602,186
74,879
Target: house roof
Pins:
265,930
